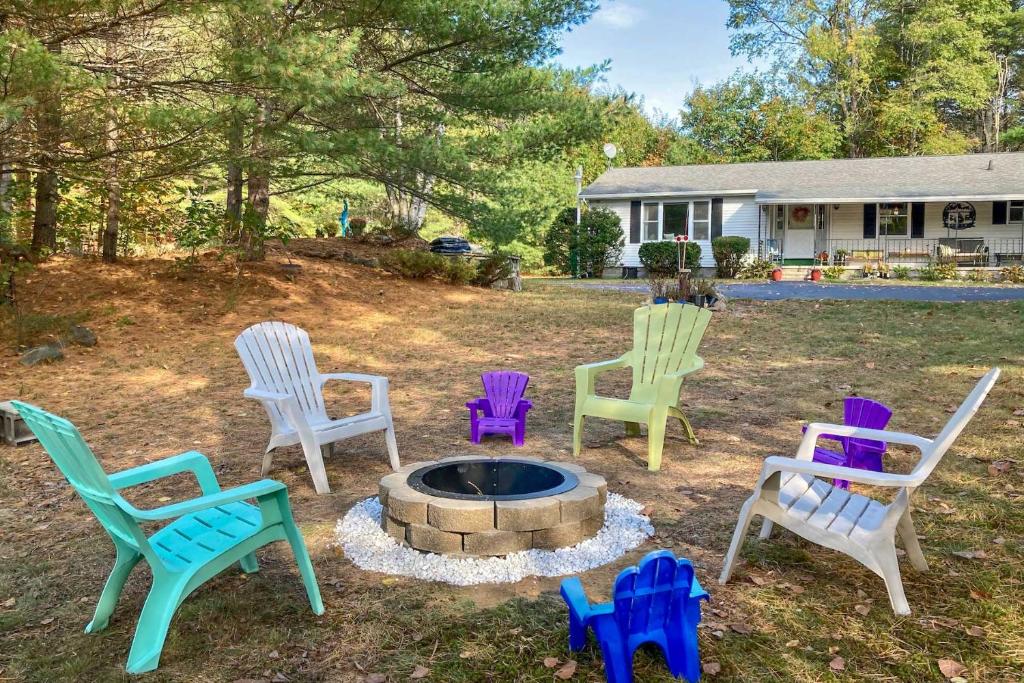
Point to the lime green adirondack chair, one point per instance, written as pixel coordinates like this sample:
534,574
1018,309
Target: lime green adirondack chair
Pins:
208,534
665,341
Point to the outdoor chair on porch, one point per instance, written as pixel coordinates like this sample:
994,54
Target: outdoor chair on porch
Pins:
792,493
665,341
207,534
961,251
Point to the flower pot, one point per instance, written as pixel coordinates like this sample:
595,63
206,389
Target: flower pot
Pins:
661,299
815,275
699,300
777,275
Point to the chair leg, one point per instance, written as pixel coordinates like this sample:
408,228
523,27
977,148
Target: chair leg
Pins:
315,462
890,568
905,527
577,632
766,529
690,435
656,439
682,654
618,665
392,443
474,431
123,565
151,631
577,433
268,458
298,546
249,564
519,435
742,524
632,428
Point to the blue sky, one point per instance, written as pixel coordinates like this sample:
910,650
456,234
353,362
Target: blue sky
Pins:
658,48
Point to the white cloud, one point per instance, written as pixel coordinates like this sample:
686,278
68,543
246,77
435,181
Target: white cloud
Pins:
619,15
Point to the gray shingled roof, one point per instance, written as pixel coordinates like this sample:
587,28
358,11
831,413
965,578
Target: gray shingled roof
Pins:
831,181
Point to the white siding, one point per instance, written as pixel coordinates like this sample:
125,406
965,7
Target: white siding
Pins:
739,218
848,223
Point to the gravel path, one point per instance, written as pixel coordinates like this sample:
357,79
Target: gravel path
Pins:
779,291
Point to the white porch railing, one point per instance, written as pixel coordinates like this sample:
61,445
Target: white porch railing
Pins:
964,251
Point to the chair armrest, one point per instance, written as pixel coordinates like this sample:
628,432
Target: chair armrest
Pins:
265,395
576,598
257,489
352,377
669,384
776,463
191,461
816,429
594,369
697,591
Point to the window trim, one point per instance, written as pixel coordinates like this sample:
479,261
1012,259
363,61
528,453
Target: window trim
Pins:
1011,206
905,216
689,218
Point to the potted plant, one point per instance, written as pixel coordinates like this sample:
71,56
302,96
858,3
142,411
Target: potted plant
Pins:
815,274
658,285
777,274
704,293
869,270
883,270
839,257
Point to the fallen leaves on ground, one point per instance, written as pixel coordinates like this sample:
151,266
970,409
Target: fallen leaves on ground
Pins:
567,671
742,629
975,631
375,678
998,467
951,668
862,610
971,554
711,668
419,672
837,664
551,662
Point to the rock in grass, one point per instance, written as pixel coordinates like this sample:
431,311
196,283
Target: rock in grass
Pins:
46,353
81,335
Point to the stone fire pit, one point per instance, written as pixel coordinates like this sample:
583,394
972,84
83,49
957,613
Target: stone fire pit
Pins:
477,506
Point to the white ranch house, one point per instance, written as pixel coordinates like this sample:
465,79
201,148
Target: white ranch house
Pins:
903,210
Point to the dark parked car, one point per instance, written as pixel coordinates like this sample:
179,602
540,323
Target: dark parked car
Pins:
450,245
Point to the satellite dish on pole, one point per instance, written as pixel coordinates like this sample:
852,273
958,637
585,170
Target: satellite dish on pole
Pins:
610,150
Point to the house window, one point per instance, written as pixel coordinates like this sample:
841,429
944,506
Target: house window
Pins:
651,222
1017,212
893,220
702,220
676,219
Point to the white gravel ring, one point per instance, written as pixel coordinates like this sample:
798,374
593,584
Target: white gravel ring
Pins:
371,548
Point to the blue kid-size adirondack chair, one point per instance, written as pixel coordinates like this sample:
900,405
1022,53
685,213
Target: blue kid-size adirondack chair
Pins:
658,601
208,534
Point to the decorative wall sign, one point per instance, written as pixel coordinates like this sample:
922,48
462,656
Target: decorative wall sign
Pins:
959,216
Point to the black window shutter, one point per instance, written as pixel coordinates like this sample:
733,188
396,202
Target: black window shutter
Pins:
998,213
870,221
716,217
917,220
634,222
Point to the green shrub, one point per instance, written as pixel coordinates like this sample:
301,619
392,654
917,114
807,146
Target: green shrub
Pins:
977,275
356,227
1014,274
492,269
833,272
203,222
594,243
901,272
458,271
414,264
758,269
662,258
933,272
729,252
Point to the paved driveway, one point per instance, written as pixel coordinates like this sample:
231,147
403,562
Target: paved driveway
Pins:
778,291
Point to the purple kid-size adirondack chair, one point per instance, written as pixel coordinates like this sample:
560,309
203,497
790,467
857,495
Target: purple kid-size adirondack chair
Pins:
502,410
863,454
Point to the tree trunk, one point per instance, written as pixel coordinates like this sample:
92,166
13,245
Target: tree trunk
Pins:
252,233
113,181
233,207
6,205
48,130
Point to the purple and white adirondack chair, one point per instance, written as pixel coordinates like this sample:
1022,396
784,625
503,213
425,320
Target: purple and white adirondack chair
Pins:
503,407
863,454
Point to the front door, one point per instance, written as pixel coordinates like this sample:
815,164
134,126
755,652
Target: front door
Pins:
800,231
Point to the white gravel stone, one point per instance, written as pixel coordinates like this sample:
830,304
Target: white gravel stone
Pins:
370,548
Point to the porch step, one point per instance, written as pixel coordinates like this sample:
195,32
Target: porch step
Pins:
795,273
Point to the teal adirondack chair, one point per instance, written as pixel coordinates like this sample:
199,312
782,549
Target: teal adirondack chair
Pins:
208,534
665,341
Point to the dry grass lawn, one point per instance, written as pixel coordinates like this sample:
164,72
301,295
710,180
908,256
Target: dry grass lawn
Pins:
165,379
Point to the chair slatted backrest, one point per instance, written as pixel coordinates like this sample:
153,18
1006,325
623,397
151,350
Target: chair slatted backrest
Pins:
504,389
665,339
653,594
933,454
78,464
863,412
279,357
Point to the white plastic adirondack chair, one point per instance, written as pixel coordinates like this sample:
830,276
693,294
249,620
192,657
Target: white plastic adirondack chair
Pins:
279,360
791,494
